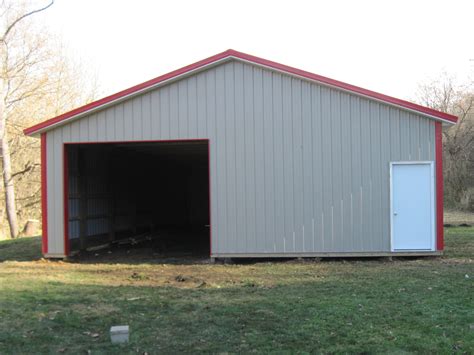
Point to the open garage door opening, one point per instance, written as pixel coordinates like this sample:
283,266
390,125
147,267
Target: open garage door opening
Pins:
152,196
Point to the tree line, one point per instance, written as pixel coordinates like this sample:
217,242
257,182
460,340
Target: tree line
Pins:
38,80
448,95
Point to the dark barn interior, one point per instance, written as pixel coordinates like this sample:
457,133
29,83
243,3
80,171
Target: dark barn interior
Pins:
155,195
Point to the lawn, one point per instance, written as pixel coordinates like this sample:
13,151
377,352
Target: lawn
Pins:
421,305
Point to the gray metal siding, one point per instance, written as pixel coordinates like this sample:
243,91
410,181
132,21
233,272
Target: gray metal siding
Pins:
295,166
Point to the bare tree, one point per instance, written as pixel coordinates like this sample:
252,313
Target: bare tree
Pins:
43,81
17,61
444,94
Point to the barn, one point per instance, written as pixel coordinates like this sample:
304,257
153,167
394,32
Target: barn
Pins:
238,156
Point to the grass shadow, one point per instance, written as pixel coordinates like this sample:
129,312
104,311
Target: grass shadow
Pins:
21,249
137,254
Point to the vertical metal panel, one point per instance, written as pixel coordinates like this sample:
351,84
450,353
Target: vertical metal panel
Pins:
84,129
366,181
128,120
423,141
356,174
385,176
52,198
269,159
279,195
182,108
336,170
174,122
92,128
201,103
146,110
55,188
414,137
230,185
101,125
221,156
405,136
317,224
288,166
110,126
432,140
58,172
155,117
326,166
120,125
259,159
73,130
164,118
239,131
211,124
295,166
249,158
347,235
394,134
297,149
191,107
375,173
138,118
307,167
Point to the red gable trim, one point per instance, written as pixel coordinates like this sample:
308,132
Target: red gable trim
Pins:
252,59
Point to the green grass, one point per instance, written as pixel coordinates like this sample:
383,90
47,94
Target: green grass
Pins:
21,249
422,305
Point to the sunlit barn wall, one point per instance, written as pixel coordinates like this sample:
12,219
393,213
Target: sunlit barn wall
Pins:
296,167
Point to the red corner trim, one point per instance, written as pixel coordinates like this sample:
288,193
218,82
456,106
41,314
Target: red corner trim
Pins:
44,195
66,200
250,58
439,186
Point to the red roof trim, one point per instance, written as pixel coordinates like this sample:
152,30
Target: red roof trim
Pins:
250,58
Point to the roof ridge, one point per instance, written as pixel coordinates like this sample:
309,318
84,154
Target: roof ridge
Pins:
231,53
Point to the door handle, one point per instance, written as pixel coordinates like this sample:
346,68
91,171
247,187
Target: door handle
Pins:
395,213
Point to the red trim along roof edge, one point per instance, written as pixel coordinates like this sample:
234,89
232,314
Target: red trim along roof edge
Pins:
252,59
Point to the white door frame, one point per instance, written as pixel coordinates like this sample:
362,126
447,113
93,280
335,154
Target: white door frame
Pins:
432,199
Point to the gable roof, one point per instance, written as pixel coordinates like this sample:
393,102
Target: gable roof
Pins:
222,57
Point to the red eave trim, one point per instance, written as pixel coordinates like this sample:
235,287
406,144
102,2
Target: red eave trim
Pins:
44,195
439,186
348,87
33,129
250,58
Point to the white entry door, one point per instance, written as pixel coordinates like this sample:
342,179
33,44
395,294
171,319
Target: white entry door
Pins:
412,206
